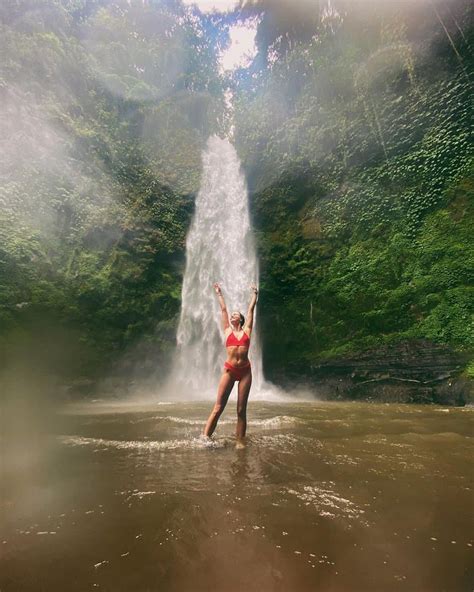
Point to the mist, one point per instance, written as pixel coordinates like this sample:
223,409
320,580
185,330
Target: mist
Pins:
314,158
106,111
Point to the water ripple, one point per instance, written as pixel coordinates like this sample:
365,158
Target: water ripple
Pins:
191,443
328,503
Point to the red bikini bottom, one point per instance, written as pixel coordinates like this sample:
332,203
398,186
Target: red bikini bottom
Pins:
237,372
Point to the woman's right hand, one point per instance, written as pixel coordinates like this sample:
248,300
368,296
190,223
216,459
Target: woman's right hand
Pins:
217,288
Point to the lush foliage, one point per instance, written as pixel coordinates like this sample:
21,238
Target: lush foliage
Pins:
106,108
359,152
354,124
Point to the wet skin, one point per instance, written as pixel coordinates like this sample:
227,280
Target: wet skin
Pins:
236,356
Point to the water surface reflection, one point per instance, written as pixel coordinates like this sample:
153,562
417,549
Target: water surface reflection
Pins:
334,496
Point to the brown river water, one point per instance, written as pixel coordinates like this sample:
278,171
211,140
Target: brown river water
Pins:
324,497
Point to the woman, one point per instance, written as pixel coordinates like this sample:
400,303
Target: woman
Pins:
237,366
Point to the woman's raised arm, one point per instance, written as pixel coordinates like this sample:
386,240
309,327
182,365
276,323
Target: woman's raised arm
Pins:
253,302
225,314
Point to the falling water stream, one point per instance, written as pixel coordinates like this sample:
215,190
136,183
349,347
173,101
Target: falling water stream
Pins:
219,248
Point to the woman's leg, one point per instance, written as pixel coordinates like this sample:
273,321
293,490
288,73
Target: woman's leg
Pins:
244,390
223,391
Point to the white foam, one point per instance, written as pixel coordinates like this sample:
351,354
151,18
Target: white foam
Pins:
191,443
107,406
277,421
280,441
283,442
172,419
140,494
328,503
270,422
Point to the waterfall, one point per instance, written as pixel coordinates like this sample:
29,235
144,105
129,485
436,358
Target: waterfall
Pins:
219,248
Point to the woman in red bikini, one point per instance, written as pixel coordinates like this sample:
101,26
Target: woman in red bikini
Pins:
237,366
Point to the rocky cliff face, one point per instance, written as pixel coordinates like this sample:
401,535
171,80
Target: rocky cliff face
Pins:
410,372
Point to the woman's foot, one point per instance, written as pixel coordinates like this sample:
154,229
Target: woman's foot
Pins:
206,440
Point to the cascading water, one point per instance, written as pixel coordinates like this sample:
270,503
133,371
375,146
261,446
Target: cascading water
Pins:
219,248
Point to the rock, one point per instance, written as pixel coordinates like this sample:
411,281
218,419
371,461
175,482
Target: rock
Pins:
417,371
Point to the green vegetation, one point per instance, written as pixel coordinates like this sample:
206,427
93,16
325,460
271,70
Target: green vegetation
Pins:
354,125
107,106
360,159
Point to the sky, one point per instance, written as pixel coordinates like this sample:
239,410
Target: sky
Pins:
242,46
210,5
242,36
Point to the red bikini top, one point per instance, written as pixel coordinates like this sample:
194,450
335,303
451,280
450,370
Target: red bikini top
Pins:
232,340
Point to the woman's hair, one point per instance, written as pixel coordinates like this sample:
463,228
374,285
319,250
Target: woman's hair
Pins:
242,318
